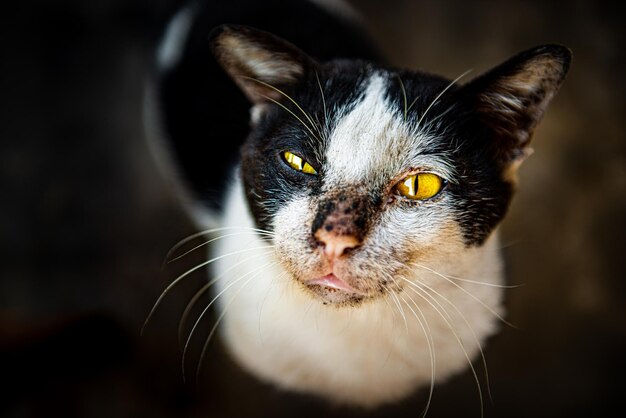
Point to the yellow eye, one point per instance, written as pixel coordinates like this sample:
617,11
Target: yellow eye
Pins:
297,163
419,186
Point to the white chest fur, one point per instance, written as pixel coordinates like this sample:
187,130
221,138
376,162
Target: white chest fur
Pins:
367,355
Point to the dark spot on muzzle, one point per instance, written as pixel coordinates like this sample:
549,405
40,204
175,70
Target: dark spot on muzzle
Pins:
346,213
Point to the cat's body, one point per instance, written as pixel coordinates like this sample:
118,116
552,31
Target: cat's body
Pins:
359,257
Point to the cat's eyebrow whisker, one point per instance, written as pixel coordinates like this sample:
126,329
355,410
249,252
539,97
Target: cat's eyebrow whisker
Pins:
188,272
204,288
319,84
426,128
279,91
408,107
212,231
452,83
219,319
412,103
294,115
403,95
450,325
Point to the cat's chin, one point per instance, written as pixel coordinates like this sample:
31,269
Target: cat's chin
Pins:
332,290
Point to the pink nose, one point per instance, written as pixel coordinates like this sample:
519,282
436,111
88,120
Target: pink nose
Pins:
335,245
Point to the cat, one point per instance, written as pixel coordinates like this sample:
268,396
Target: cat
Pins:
352,208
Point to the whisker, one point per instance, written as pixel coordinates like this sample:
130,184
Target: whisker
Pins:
219,319
213,240
203,289
497,315
431,348
395,299
412,103
294,115
476,340
415,288
306,115
211,231
319,84
187,273
393,323
419,122
391,279
500,286
403,95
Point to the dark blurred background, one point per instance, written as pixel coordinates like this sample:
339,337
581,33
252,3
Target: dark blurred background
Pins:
86,219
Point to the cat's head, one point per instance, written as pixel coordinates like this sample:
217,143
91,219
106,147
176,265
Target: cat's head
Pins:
361,170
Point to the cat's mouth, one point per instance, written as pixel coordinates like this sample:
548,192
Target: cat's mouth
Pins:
334,290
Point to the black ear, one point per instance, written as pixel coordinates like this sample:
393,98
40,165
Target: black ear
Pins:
259,62
512,98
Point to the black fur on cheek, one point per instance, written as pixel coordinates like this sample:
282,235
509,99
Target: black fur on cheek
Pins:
478,216
481,194
269,182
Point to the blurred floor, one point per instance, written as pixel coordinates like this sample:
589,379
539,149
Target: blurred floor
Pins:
87,219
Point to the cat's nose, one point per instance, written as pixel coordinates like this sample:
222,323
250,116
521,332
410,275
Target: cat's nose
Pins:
335,245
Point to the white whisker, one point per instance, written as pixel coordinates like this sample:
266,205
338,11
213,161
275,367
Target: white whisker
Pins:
204,288
306,115
431,347
188,272
452,83
212,231
490,309
499,286
319,84
475,337
415,288
215,298
205,243
403,96
219,319
396,301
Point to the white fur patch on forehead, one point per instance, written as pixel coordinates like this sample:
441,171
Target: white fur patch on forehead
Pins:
373,142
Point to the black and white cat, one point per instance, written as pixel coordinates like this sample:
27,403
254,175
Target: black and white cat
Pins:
354,205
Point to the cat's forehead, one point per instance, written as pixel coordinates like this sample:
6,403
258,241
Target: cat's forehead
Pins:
373,139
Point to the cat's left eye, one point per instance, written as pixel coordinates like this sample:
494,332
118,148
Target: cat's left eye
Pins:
298,163
419,186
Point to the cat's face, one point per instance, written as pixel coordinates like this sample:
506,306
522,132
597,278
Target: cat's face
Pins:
360,171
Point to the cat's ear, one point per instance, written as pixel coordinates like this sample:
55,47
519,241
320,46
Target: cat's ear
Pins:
260,63
512,98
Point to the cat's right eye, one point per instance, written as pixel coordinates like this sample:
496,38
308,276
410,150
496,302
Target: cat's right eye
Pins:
420,186
298,163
